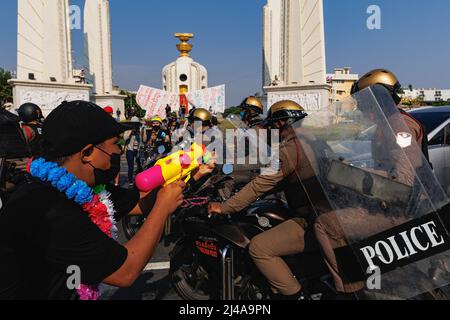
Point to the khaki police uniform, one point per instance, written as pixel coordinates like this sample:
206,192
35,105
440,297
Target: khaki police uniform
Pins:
288,238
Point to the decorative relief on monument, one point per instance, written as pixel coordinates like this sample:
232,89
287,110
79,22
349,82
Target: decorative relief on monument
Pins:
309,101
49,100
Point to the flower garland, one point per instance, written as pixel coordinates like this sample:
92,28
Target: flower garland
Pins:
95,202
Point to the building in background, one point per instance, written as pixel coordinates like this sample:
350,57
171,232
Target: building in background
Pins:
45,74
341,83
427,95
98,53
294,53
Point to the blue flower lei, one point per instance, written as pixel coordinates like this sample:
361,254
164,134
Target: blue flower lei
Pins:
65,182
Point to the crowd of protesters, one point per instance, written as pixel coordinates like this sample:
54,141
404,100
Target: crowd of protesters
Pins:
148,141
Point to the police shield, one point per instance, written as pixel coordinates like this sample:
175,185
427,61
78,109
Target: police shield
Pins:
381,216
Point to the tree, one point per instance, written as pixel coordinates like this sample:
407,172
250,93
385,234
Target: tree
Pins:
439,103
414,102
5,87
410,87
132,109
231,110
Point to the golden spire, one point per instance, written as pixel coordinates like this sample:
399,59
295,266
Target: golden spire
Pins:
184,47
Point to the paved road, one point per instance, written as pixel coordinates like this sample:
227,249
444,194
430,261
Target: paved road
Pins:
153,283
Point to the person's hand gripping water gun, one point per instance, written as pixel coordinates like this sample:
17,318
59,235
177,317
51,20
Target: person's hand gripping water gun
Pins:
175,167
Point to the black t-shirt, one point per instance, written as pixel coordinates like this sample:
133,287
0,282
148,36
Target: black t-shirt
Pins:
42,234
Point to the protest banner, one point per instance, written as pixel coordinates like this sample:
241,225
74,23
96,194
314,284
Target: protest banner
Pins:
212,99
154,101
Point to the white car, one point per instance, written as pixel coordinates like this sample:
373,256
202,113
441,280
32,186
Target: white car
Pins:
436,121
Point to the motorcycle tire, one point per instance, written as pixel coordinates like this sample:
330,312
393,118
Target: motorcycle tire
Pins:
187,276
131,225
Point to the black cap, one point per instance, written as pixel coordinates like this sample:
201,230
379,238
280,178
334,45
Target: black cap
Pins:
74,125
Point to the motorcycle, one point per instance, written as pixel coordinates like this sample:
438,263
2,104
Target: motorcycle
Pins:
381,190
211,259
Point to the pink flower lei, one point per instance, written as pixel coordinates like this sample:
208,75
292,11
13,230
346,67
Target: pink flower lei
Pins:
95,202
101,212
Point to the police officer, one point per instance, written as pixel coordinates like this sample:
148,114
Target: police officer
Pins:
31,117
388,80
252,135
202,117
394,156
199,122
293,236
251,111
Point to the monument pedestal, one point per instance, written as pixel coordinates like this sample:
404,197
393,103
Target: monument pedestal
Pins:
47,95
315,99
116,101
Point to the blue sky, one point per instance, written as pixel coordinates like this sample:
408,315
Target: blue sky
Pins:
413,41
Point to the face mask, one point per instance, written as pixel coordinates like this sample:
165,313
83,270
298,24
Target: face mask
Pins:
107,176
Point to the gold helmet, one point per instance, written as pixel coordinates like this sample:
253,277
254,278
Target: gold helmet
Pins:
202,115
382,77
285,110
252,103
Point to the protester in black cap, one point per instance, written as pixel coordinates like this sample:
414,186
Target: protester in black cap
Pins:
55,221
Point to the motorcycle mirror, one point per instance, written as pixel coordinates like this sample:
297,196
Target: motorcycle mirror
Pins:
228,169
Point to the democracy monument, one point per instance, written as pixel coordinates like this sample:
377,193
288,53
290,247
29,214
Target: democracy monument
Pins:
294,53
45,73
294,59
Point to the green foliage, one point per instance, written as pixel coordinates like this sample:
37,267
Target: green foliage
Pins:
5,88
131,107
231,110
438,103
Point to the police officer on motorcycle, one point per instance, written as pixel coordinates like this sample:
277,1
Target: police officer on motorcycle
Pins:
394,155
251,135
201,117
389,80
291,237
198,129
251,112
